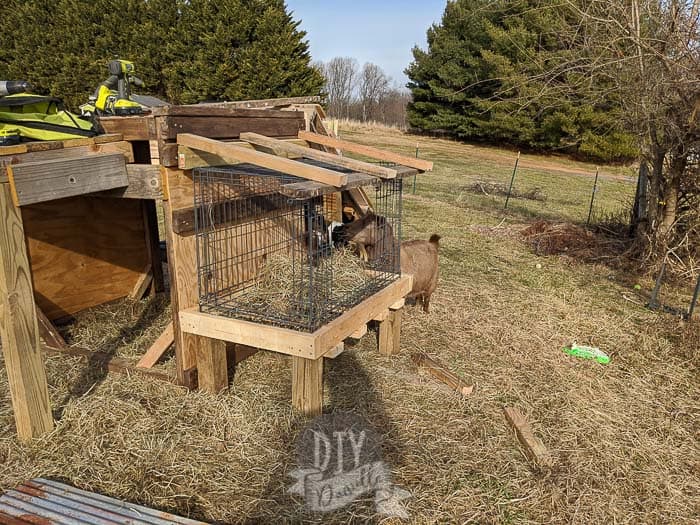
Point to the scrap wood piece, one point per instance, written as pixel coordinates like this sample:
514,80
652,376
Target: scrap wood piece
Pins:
265,160
48,332
368,151
441,372
117,365
534,448
280,147
158,348
142,284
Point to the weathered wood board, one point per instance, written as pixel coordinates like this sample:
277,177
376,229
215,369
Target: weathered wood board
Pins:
35,182
84,251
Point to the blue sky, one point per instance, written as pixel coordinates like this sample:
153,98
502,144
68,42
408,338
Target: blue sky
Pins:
379,31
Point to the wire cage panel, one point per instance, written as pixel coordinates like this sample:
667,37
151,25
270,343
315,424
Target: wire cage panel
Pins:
271,259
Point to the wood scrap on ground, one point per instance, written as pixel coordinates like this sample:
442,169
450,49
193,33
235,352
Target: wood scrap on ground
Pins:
158,348
441,372
534,448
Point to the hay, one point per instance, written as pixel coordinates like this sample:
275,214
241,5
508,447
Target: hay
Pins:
624,436
282,289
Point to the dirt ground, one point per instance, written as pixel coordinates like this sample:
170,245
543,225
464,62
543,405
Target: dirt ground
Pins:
624,437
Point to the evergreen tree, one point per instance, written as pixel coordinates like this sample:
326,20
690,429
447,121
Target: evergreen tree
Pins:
185,51
477,80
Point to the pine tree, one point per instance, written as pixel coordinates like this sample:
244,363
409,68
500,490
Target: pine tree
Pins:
185,51
476,82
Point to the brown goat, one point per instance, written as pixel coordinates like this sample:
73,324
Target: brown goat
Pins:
373,234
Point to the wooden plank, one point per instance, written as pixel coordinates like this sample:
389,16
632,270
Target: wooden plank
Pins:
138,127
307,385
36,182
144,183
281,340
263,103
158,348
389,336
70,153
339,329
263,159
309,189
212,368
226,127
188,158
117,365
367,151
84,251
142,284
280,148
48,332
441,372
534,448
218,110
19,328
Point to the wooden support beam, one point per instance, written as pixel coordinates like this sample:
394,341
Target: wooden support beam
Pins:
189,158
231,151
35,182
48,332
285,148
441,372
152,238
367,151
158,348
182,257
264,103
142,284
389,336
291,342
212,368
335,352
359,333
534,448
19,328
44,145
307,385
117,365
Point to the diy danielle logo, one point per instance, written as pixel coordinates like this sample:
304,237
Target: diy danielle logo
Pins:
339,459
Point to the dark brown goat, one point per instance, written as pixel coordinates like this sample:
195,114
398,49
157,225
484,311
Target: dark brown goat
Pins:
373,235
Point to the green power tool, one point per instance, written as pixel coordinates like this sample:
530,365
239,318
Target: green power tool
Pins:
113,96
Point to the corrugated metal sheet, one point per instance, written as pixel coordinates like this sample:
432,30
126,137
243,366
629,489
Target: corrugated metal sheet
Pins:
46,502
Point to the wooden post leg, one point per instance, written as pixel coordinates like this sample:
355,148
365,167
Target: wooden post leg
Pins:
19,328
182,266
150,223
212,365
390,333
307,385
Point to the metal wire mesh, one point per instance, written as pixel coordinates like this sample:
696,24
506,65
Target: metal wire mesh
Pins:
271,259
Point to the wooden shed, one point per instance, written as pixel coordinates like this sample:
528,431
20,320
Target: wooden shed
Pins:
79,228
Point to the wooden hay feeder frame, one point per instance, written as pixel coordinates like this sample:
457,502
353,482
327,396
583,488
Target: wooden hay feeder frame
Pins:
78,228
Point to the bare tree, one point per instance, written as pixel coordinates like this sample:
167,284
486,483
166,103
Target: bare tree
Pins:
645,55
373,87
341,77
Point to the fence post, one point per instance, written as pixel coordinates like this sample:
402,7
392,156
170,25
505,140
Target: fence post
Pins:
654,301
694,301
414,177
512,180
595,188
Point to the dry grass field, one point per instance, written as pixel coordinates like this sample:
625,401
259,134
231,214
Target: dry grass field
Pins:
625,437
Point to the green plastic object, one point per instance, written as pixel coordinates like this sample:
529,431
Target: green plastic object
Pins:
587,352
